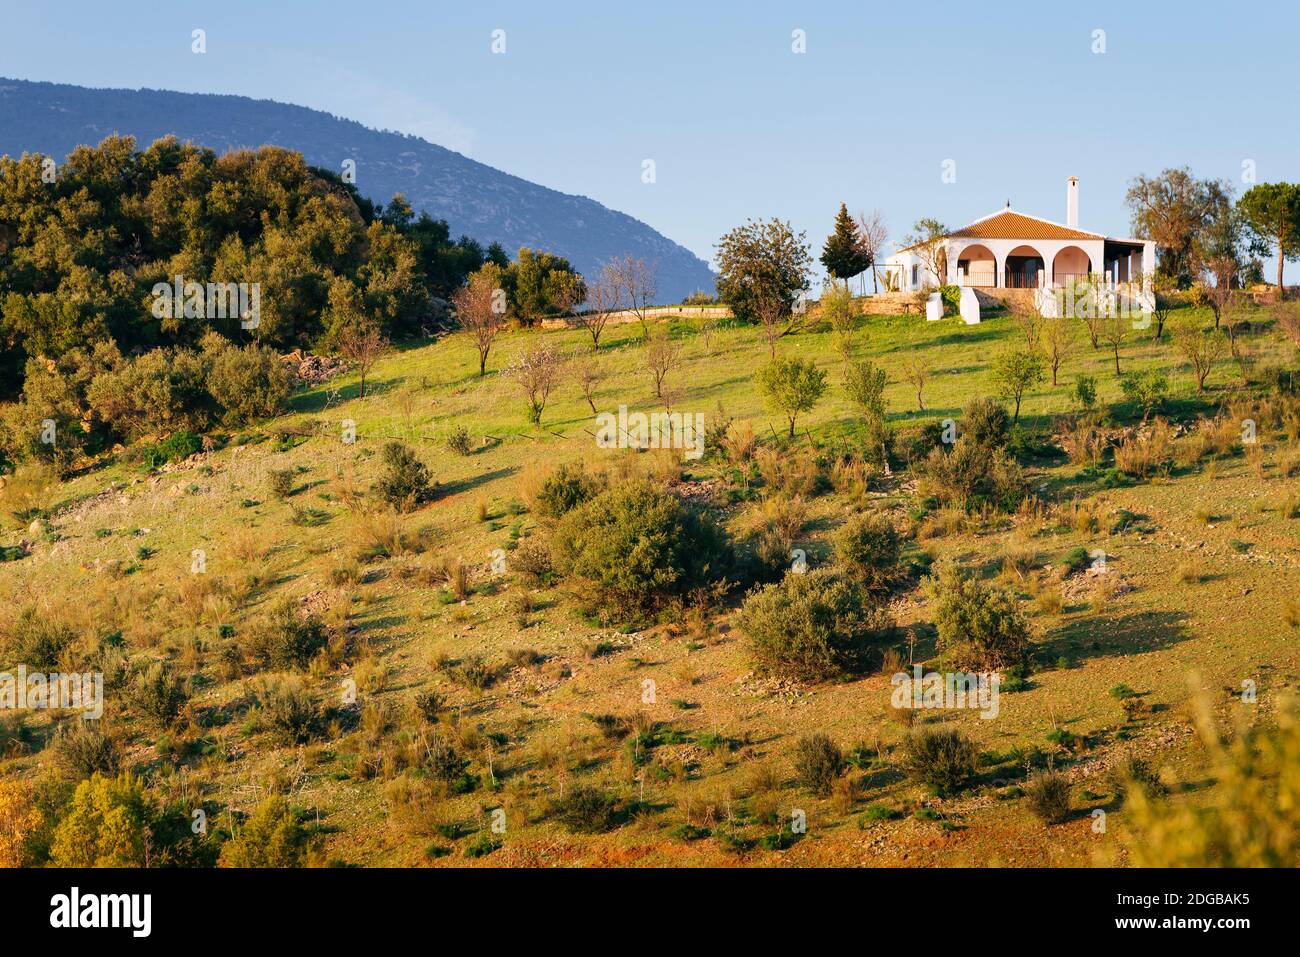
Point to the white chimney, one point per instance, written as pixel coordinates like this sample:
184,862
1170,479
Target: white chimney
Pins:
1072,202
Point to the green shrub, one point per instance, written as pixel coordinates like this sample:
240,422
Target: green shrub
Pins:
247,383
564,490
1085,392
587,810
175,448
160,694
37,639
1148,389
280,482
985,422
105,825
442,760
288,711
812,626
482,846
406,482
981,627
868,547
160,391
639,545
81,749
1048,794
864,383
458,440
287,639
1076,559
56,390
272,837
973,475
878,812
790,387
818,763
943,759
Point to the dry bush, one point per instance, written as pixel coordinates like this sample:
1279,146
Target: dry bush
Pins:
791,471
1218,437
1081,516
1291,613
532,477
200,597
1144,455
1048,600
1083,442
1255,821
664,466
27,490
415,804
455,574
951,520
381,533
739,443
249,546
773,526
852,477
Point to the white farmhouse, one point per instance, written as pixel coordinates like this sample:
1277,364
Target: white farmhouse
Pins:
1011,250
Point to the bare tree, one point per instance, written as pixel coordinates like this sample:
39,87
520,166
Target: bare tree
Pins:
355,332
916,370
636,282
1200,347
777,318
536,372
481,310
661,357
928,242
1059,342
1114,332
872,236
1030,320
362,344
589,375
604,297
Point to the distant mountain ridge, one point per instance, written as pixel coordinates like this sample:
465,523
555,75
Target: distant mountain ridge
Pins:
475,199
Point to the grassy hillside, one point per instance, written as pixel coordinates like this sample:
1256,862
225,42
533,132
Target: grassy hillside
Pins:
1199,592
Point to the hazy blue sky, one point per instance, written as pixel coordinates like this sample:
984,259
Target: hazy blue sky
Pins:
738,124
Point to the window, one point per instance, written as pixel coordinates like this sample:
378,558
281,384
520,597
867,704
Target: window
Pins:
916,274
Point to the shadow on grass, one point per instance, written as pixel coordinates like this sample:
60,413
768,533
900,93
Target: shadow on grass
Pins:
469,484
1102,637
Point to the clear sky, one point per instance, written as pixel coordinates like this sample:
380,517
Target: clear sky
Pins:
737,123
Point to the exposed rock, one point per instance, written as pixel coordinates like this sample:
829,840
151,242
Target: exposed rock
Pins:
313,368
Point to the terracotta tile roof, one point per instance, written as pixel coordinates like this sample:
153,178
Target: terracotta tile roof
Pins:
1011,225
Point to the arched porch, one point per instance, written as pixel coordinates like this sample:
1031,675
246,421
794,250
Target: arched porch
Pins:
978,265
1024,265
1071,264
